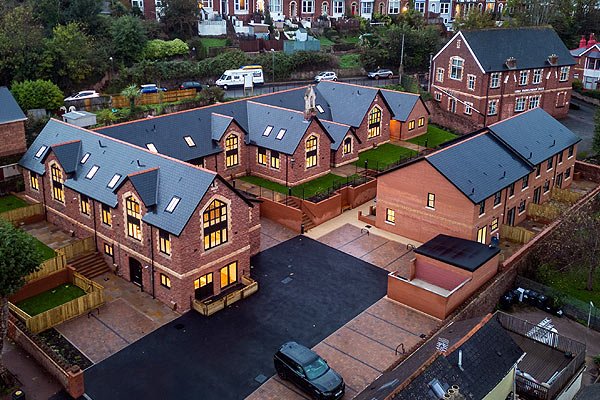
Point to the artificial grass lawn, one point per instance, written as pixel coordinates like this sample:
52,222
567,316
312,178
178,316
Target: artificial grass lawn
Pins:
213,42
349,61
47,252
11,202
434,136
50,299
306,190
572,283
384,155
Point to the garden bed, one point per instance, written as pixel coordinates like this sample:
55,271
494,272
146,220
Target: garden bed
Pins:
323,184
61,346
49,299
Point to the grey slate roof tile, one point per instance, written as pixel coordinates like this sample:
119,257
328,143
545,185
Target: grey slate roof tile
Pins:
146,184
349,103
493,46
174,178
9,109
400,103
68,155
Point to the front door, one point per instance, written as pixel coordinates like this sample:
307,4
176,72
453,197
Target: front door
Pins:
135,271
559,179
203,287
537,194
510,217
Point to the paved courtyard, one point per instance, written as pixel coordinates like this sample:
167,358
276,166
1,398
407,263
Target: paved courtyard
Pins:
272,233
51,235
308,291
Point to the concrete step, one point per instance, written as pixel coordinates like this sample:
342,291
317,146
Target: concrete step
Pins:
90,265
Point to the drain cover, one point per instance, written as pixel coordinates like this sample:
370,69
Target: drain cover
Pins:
260,379
422,336
179,326
286,280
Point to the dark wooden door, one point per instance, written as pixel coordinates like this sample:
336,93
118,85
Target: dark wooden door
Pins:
135,271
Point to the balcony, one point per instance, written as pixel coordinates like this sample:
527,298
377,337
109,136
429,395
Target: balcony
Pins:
247,287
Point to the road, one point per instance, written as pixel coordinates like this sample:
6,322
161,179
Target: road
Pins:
582,123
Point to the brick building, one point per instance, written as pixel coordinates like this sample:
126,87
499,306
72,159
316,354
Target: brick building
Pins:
176,230
12,125
473,185
484,77
587,69
288,137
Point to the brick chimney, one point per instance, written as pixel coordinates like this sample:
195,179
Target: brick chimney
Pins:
511,63
553,59
592,41
582,42
310,99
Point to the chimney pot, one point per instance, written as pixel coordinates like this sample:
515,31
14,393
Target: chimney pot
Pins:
553,59
511,63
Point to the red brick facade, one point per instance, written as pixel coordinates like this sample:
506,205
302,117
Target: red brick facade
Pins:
187,261
12,137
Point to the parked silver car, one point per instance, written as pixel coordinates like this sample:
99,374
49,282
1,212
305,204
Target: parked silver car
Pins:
381,73
326,76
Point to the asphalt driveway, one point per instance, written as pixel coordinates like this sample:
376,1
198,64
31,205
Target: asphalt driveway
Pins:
307,291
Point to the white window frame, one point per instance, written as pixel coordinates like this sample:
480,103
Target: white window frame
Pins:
468,108
366,8
394,7
493,107
537,76
564,74
438,96
237,8
308,6
456,68
533,100
439,75
444,8
338,7
495,80
471,81
523,78
520,104
275,6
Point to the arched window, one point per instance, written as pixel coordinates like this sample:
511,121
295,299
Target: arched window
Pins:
374,123
381,8
58,191
134,218
347,146
325,8
293,9
500,8
353,9
311,151
214,222
231,151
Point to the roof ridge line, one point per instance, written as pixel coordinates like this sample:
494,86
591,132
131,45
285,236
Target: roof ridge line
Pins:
144,171
273,106
67,142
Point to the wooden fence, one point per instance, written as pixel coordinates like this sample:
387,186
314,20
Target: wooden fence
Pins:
516,234
74,249
93,298
565,195
210,307
154,98
23,213
64,254
48,267
545,212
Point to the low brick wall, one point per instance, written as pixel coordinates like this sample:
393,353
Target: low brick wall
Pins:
323,210
70,377
289,217
587,171
444,118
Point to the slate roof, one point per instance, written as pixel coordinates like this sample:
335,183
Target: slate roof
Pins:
479,166
487,357
337,132
493,46
579,52
294,100
348,103
68,155
157,178
9,109
535,135
462,253
401,103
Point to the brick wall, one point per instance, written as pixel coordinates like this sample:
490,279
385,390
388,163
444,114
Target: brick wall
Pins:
12,137
419,111
363,128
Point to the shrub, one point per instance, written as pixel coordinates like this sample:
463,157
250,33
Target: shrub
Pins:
160,49
37,94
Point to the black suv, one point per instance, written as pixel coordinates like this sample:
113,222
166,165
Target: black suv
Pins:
191,85
308,371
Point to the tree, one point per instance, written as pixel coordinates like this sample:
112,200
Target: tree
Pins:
475,19
180,18
131,92
128,39
596,140
37,94
19,257
575,243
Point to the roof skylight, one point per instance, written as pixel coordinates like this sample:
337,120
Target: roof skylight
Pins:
92,172
113,181
320,109
84,158
151,147
280,134
172,204
40,151
268,130
190,142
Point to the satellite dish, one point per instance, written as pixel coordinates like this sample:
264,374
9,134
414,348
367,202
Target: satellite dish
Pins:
72,108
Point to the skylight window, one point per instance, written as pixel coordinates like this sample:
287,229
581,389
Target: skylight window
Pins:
114,181
320,109
281,133
84,158
151,147
172,204
190,142
92,172
268,130
40,151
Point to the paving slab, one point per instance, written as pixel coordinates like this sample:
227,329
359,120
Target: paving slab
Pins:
272,233
51,235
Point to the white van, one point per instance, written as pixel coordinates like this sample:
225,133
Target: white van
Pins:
237,77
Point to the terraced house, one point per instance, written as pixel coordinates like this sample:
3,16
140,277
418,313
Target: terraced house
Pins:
478,182
288,137
484,77
178,231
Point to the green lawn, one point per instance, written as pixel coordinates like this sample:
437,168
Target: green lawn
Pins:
571,283
349,61
306,190
350,39
326,42
50,299
213,42
384,155
434,137
46,251
11,202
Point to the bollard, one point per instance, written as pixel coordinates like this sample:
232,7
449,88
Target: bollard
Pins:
302,228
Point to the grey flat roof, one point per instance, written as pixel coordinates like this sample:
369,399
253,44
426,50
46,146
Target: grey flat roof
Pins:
461,253
9,109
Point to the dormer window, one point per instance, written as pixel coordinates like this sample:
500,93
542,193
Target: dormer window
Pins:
84,158
320,109
40,151
172,204
151,147
113,181
268,130
92,172
280,134
190,142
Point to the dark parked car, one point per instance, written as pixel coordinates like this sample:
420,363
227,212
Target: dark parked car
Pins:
303,367
151,88
191,85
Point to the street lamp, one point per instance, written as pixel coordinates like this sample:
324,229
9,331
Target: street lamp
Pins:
111,67
588,321
273,57
401,69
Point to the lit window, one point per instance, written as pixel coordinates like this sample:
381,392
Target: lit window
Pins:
347,149
280,134
164,242
34,181
411,125
390,216
190,142
456,68
58,191
494,225
114,181
172,204
268,130
165,281
84,205
215,224
274,159
151,147
262,156
84,158
134,217
108,250
320,109
40,151
228,274
431,200
92,172
231,151
311,152
106,216
374,123
421,122
482,235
